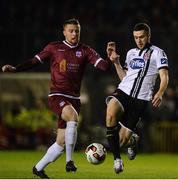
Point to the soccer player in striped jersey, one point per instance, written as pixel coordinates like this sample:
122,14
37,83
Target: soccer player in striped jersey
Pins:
142,66
68,59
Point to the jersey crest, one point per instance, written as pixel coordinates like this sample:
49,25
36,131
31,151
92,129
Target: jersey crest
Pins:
147,55
78,54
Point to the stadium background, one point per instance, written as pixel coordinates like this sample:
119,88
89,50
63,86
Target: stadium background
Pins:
27,26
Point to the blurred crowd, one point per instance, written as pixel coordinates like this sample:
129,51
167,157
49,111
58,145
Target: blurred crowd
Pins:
27,26
98,13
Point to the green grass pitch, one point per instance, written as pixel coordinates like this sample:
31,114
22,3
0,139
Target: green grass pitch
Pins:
18,165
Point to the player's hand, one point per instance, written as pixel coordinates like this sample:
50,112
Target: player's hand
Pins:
111,52
8,68
111,46
157,99
115,57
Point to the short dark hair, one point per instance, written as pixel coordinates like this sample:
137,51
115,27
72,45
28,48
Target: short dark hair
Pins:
71,21
142,26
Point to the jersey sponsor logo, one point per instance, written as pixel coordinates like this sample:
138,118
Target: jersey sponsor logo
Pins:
164,61
78,54
71,67
63,66
137,63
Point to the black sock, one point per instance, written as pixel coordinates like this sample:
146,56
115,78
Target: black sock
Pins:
112,135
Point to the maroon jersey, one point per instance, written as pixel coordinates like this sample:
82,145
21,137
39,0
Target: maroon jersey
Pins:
67,65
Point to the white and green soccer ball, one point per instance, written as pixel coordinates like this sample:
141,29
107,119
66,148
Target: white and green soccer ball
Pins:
95,153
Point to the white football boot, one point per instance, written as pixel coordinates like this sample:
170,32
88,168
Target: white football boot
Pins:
132,151
118,166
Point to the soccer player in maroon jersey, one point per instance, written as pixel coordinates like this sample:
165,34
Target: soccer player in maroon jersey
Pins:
68,59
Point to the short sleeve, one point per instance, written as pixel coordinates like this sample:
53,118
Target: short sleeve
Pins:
161,60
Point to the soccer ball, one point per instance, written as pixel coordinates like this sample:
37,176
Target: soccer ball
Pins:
95,153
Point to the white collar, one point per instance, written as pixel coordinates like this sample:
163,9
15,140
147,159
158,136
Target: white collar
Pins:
68,44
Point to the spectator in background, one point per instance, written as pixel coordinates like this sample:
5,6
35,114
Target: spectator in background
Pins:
68,60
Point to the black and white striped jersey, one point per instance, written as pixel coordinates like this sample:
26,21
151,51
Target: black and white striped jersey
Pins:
142,70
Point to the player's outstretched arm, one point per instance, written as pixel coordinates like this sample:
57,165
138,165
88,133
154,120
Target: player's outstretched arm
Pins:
21,67
8,68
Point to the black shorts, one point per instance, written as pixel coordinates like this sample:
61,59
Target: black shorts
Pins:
133,108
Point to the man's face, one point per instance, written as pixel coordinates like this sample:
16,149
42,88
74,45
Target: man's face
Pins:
141,38
72,33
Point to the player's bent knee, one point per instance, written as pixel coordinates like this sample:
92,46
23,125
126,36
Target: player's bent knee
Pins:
69,113
110,120
123,141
